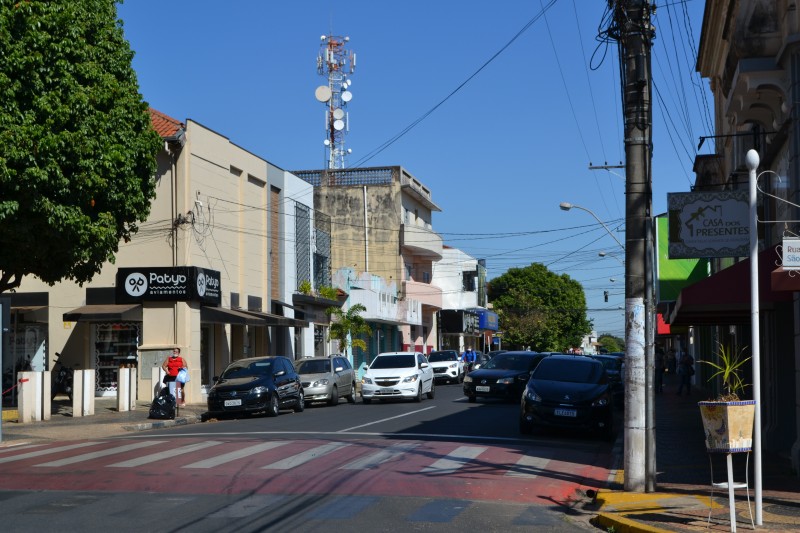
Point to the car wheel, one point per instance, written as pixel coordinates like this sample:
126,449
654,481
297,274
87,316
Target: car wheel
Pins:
272,407
418,397
472,399
461,378
525,427
334,401
607,432
301,402
351,398
432,392
366,400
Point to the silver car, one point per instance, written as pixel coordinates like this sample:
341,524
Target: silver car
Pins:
326,379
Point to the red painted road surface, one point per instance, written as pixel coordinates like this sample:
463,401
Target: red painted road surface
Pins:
307,466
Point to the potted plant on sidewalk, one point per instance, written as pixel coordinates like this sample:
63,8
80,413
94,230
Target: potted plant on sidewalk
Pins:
728,420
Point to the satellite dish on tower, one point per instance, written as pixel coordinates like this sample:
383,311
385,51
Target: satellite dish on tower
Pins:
338,125
338,114
346,96
323,93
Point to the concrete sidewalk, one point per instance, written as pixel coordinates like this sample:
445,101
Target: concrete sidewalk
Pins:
683,492
680,503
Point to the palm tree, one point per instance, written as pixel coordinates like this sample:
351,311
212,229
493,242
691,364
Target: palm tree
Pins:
348,326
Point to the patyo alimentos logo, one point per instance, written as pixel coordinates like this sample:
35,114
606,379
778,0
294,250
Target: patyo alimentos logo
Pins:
136,284
167,283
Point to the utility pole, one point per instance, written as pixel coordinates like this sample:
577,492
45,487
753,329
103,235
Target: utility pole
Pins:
631,27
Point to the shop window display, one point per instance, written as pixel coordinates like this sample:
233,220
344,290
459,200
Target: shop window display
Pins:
115,347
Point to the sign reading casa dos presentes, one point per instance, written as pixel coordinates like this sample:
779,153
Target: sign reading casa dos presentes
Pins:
170,284
708,224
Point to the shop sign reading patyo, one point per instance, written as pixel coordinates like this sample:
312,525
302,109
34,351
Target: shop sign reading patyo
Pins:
170,284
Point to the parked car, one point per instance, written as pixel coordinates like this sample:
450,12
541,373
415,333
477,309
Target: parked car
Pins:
326,379
492,353
503,376
256,384
568,392
397,375
447,365
615,368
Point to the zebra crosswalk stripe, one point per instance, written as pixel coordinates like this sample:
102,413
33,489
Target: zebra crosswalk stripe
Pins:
166,454
102,453
306,456
375,459
454,460
238,454
48,451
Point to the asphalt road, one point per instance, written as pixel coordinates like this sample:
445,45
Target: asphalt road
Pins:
438,465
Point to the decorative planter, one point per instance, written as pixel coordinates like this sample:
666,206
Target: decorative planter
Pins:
728,425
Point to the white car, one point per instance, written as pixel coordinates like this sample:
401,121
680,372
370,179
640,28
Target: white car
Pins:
397,375
447,365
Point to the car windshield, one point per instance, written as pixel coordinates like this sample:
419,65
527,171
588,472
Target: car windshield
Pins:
244,370
610,363
314,367
569,370
395,361
436,357
507,361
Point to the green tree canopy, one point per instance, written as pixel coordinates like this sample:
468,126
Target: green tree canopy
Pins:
611,343
77,150
539,308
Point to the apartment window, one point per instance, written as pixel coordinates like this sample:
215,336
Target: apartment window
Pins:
426,277
409,271
468,281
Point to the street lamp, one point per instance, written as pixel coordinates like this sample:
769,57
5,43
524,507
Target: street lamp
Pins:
603,254
566,206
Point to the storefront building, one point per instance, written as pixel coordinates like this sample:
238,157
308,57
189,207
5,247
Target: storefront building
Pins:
206,273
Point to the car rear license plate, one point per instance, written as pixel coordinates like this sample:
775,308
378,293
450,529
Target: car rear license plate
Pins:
233,403
481,388
566,412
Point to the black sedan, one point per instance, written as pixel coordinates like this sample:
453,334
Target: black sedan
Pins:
568,392
503,376
256,384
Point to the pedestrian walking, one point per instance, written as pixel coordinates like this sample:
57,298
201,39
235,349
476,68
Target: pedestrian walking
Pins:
172,365
685,373
658,371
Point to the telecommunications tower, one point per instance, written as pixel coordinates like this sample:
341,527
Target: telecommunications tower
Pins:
336,63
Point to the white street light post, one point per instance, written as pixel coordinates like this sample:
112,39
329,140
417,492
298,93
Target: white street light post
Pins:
566,206
603,254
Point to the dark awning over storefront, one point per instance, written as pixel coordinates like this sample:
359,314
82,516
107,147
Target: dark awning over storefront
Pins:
105,313
222,315
277,320
724,298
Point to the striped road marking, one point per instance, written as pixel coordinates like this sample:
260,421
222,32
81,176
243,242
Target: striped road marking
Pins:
168,454
375,459
529,466
39,453
306,456
454,460
238,454
101,453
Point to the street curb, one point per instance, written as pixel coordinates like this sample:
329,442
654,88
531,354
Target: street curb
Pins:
624,525
182,421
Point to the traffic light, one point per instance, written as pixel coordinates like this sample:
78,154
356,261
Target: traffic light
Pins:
605,295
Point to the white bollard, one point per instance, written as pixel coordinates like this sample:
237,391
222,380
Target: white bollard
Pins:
47,395
133,388
77,393
123,389
88,393
29,396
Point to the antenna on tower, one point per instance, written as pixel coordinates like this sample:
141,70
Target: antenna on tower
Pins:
336,63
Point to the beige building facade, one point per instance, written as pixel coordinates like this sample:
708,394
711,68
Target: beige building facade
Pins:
218,259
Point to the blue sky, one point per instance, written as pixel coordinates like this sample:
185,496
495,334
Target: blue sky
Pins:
540,104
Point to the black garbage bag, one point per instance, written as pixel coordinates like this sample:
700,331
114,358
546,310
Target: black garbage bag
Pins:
163,406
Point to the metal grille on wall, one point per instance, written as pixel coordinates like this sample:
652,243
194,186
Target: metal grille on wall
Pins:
322,250
302,243
358,176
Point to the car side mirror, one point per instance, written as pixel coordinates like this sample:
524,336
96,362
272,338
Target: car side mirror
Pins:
423,365
279,373
338,369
